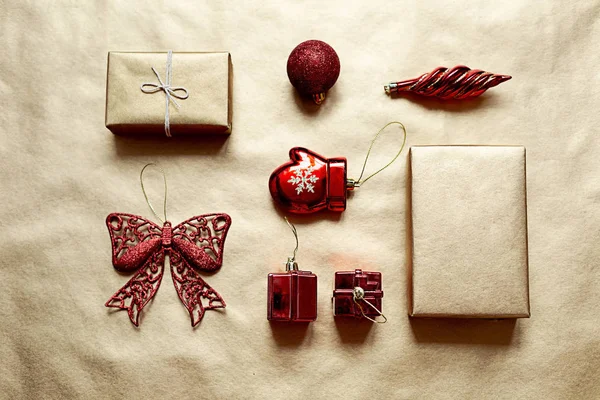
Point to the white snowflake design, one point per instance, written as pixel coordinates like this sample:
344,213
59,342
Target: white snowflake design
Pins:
304,180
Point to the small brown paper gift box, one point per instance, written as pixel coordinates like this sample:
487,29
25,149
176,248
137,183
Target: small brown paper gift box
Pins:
207,78
469,232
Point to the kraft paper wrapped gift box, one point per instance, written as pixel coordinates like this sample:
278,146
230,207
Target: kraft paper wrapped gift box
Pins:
207,78
469,232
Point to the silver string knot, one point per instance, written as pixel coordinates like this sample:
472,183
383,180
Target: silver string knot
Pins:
170,91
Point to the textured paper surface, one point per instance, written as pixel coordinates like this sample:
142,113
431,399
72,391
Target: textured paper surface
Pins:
469,232
63,172
205,76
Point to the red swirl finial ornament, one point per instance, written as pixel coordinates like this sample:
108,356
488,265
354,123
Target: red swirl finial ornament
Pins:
457,83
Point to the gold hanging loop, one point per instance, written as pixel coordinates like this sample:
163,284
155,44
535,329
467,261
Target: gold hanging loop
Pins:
357,183
146,195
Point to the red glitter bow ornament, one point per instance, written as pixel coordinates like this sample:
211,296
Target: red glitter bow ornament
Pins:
139,244
458,83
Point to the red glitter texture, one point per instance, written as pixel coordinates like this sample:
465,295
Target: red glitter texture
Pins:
140,245
313,67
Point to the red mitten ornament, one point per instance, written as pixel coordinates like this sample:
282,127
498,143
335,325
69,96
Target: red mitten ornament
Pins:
457,83
310,182
141,245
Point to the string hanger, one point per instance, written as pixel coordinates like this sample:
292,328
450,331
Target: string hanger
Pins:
359,294
351,183
146,195
171,92
291,264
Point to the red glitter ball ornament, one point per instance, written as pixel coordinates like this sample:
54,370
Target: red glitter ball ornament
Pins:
313,68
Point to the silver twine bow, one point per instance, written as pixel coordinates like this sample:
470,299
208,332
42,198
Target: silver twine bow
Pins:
170,92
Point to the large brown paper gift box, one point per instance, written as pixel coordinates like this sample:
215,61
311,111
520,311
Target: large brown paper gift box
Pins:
206,76
469,232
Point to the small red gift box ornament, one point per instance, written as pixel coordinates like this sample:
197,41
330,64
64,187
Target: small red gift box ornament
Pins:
292,295
310,182
358,294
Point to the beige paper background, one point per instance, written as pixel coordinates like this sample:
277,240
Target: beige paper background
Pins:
63,172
